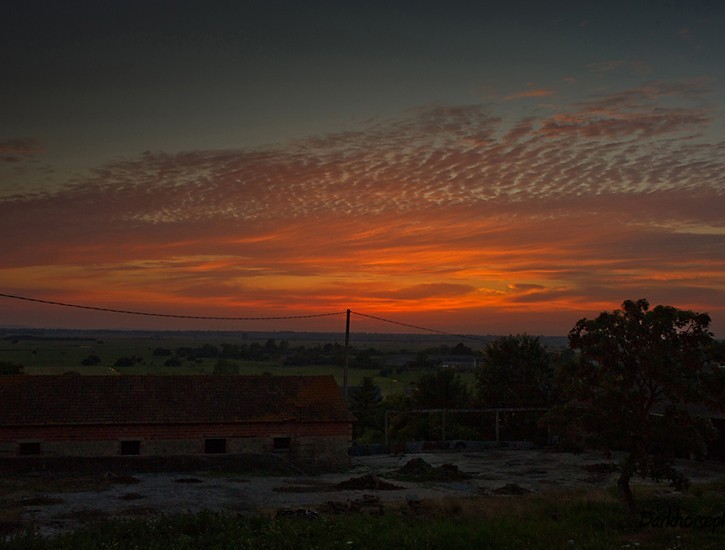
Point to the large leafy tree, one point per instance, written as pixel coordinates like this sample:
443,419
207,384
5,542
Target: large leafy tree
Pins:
365,401
640,386
441,389
517,371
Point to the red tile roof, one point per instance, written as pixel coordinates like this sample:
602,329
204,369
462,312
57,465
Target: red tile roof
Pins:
69,400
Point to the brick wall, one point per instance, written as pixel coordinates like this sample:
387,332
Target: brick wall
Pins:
310,443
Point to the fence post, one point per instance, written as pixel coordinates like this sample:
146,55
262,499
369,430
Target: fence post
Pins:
443,426
498,442
387,448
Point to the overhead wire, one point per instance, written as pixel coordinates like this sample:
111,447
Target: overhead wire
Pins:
151,314
469,337
220,318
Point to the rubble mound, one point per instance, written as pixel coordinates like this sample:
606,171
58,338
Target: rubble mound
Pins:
121,479
367,482
131,496
368,503
419,469
601,468
304,513
415,467
41,501
511,489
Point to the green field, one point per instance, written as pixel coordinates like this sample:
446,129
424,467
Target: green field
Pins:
64,351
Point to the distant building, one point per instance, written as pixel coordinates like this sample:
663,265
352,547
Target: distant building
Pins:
457,362
304,419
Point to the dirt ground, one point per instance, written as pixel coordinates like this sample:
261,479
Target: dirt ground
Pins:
373,481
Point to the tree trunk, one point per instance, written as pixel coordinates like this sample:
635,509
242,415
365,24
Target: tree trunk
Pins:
623,483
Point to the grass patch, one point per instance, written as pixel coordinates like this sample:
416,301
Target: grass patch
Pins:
84,515
588,518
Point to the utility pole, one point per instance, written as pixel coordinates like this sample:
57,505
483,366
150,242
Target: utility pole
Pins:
347,356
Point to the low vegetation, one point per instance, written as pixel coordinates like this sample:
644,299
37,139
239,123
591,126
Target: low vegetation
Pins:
582,519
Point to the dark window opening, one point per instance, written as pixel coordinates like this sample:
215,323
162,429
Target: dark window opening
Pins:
215,446
281,443
130,447
29,448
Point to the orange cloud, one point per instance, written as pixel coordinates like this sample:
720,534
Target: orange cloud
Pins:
539,92
24,146
442,217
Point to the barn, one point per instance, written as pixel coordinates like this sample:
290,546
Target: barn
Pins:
300,419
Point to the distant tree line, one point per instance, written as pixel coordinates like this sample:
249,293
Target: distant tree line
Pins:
386,363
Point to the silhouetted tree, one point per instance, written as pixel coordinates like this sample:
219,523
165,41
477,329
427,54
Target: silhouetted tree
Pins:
270,346
127,361
366,359
365,402
172,362
206,350
517,371
461,349
442,389
640,372
7,368
716,378
224,366
717,352
91,360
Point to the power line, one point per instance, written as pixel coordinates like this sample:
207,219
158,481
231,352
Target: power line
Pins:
213,318
150,314
419,327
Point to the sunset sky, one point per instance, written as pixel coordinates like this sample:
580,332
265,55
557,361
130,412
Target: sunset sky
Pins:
472,167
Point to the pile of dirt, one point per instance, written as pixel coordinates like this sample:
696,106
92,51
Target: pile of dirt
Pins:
601,468
121,479
84,515
367,504
131,496
308,485
511,489
188,480
300,489
368,483
41,501
303,513
140,511
419,470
